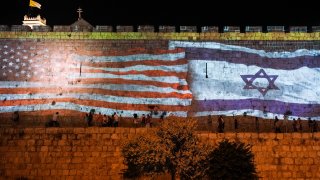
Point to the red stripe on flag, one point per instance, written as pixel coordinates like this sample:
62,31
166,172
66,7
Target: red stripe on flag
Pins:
135,63
136,82
129,52
181,75
135,94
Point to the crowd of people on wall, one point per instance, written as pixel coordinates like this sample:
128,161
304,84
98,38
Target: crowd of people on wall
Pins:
279,126
146,120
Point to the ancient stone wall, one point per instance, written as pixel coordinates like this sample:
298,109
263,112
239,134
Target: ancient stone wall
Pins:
95,153
187,74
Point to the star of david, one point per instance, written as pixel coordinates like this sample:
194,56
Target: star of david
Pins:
249,79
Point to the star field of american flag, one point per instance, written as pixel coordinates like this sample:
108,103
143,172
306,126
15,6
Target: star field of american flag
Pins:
24,63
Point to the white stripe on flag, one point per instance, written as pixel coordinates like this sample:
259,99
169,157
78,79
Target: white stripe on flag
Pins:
98,97
166,79
138,57
81,108
262,53
176,68
114,87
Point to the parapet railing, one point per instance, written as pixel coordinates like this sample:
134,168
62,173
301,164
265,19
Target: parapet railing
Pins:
163,29
245,124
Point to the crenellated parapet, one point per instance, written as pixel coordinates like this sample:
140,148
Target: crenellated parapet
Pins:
82,26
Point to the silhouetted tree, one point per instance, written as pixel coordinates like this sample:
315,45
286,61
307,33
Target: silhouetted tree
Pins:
232,160
171,148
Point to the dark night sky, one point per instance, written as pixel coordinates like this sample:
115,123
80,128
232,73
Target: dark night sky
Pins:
117,12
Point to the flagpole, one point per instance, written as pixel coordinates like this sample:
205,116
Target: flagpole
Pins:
29,9
206,70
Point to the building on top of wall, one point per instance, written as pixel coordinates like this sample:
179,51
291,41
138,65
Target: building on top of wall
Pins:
81,25
33,18
33,21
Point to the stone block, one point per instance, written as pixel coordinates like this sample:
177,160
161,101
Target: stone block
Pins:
124,28
188,28
63,143
72,136
132,130
121,130
92,130
286,174
253,28
315,28
279,136
306,135
106,136
285,148
65,172
95,154
53,172
296,135
106,130
78,154
145,28
167,29
72,172
298,29
316,135
29,130
76,160
212,136
31,142
78,130
231,29
44,172
111,148
205,29
141,130
66,130
275,29
61,28
103,29
4,28
52,130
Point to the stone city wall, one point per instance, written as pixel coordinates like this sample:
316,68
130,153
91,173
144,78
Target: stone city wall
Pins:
95,153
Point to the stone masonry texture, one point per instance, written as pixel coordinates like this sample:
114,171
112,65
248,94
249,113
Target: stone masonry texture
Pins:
95,153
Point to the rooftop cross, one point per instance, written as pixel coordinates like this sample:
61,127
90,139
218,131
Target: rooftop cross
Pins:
79,11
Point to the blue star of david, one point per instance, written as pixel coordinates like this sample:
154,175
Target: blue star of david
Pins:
249,79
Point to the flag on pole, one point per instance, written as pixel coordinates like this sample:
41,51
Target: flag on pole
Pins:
34,4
